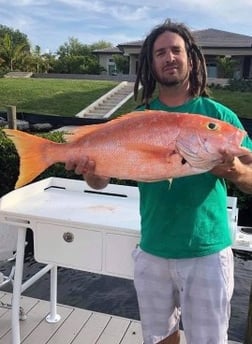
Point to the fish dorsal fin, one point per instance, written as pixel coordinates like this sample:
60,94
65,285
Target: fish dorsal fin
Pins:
80,131
87,129
133,113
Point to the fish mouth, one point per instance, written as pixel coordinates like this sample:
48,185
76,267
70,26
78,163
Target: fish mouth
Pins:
237,138
232,144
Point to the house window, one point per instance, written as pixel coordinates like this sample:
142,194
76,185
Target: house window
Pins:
211,70
112,69
111,60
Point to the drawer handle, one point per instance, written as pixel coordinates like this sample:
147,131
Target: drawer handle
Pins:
68,236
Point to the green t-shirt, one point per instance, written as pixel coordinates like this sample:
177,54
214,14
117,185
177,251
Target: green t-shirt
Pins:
189,218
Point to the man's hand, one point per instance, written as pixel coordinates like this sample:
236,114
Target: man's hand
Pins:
80,167
236,170
228,167
86,167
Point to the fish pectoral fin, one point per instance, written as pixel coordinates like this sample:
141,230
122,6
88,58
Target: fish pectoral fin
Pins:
170,183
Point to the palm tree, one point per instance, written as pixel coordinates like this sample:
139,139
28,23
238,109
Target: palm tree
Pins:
11,53
226,66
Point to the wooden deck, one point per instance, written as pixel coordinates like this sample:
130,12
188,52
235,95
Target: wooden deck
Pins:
77,326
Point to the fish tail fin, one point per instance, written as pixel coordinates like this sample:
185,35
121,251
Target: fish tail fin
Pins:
32,153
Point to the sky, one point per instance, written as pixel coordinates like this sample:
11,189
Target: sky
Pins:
50,23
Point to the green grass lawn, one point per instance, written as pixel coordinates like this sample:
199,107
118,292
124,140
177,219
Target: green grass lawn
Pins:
66,97
239,102
51,96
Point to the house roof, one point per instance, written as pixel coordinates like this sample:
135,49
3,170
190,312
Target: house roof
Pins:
111,50
219,38
210,38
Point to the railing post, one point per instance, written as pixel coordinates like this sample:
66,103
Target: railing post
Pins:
12,116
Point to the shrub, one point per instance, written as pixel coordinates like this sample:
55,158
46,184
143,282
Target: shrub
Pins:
9,163
241,85
234,85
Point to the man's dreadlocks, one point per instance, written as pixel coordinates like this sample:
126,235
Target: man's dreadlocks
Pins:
198,74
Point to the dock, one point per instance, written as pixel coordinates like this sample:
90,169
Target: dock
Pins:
76,326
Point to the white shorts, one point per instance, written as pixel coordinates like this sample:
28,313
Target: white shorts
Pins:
200,289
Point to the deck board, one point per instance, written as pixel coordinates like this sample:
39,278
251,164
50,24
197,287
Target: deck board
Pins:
36,329
71,327
74,326
133,334
114,331
92,329
26,303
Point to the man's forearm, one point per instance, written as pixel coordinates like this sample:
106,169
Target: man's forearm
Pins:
244,181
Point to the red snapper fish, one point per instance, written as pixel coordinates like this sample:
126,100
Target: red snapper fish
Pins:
145,146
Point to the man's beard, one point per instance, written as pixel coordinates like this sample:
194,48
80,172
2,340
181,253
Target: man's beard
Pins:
170,82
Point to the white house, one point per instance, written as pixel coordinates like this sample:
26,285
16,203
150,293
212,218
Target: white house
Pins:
212,42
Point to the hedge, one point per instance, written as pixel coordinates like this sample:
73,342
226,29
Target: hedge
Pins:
9,163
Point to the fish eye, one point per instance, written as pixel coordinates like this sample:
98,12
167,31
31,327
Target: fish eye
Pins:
212,126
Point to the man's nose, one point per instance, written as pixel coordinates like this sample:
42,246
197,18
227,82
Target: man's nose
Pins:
169,56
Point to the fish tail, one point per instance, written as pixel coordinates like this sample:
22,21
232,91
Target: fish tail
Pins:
32,151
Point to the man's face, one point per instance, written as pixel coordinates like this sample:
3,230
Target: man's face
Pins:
170,61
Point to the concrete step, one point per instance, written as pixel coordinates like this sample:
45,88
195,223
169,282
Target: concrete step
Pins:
18,75
108,103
